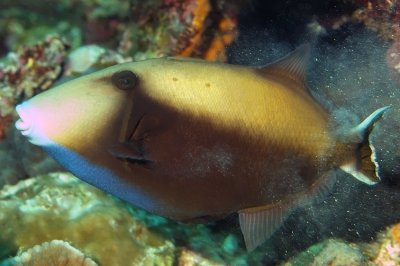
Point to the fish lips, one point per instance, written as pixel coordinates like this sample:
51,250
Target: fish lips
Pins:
28,125
23,124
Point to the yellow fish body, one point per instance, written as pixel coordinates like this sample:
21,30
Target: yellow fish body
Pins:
189,139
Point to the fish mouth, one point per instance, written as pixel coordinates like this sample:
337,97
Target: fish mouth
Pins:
23,124
30,124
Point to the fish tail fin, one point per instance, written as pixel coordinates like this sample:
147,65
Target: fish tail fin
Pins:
363,165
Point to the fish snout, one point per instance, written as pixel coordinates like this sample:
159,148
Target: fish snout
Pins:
29,124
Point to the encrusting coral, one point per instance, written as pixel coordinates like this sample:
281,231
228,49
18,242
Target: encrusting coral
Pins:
54,253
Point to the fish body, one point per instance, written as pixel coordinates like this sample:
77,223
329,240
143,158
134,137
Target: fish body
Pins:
189,139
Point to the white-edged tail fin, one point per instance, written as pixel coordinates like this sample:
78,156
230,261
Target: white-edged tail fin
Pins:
364,166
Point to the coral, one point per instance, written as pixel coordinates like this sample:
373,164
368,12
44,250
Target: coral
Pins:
54,253
330,252
88,57
389,251
378,15
188,28
199,11
59,206
383,17
393,53
29,22
225,35
190,258
30,70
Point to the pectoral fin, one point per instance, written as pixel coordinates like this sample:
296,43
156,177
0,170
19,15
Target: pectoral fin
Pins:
129,151
133,149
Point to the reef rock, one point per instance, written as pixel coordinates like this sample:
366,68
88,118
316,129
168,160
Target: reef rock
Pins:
54,253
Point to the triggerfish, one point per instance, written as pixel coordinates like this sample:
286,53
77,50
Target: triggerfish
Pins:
195,141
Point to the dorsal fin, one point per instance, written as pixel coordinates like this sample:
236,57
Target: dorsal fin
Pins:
186,59
291,67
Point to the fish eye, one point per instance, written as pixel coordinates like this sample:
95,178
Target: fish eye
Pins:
124,80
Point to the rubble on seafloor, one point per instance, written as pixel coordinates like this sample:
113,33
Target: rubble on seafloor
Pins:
60,207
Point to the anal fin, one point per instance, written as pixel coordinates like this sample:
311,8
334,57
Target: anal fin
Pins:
259,223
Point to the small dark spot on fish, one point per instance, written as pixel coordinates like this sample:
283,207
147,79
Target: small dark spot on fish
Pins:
208,85
174,79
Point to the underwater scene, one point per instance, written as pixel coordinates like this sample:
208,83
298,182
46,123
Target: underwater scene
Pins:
199,132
